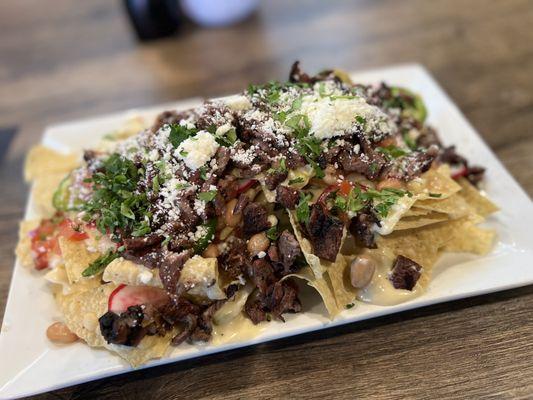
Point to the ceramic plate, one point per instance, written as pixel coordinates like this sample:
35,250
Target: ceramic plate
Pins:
31,364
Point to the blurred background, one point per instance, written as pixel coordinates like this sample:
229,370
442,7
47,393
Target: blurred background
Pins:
66,59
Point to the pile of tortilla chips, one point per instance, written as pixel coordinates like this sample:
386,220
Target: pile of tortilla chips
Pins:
81,300
442,217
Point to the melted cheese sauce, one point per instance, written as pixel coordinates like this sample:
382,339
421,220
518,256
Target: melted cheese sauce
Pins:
380,290
238,329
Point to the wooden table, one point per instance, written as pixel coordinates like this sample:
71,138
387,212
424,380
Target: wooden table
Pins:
67,60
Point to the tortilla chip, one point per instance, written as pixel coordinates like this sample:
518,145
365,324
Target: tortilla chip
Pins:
76,258
322,285
150,347
42,161
81,311
42,192
481,204
23,250
343,290
129,273
414,211
434,181
455,206
471,239
417,222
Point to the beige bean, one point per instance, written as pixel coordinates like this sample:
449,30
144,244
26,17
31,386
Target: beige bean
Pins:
231,218
390,183
362,269
211,251
258,243
58,332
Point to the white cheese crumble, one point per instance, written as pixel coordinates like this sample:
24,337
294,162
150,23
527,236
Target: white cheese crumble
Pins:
237,103
335,117
197,150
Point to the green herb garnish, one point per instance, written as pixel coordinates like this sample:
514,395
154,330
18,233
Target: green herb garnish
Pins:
272,233
436,195
98,265
302,209
207,196
179,133
392,151
296,180
204,241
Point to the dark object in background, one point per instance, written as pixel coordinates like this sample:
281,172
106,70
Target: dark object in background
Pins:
153,19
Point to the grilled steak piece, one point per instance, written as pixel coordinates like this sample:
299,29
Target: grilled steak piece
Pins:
255,219
325,233
289,250
273,179
125,329
405,273
361,229
287,197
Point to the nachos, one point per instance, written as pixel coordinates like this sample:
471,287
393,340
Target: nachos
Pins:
206,220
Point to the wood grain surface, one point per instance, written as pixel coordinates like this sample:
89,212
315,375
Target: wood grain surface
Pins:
65,59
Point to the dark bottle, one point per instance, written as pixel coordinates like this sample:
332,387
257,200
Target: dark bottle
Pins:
153,19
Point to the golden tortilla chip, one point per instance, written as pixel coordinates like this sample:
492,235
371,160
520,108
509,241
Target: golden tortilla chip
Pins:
322,286
23,250
417,222
414,211
76,258
42,161
434,181
81,310
481,204
471,239
150,347
455,206
129,273
343,290
42,192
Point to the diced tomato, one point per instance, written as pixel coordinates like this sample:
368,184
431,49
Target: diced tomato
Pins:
69,231
125,296
327,191
245,185
44,243
345,187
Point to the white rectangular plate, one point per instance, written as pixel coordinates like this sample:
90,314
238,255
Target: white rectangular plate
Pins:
31,364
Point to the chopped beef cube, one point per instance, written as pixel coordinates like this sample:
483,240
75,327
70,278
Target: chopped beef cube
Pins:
125,329
170,269
475,174
255,219
289,249
427,138
325,233
405,273
287,197
261,274
361,229
274,178
222,157
256,309
284,298
242,202
227,187
188,325
142,242
369,165
234,262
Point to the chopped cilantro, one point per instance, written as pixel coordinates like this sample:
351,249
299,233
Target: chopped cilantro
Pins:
350,305
98,265
183,153
296,180
181,186
228,139
360,120
179,133
436,195
302,209
204,241
392,151
409,141
115,202
155,184
203,173
358,199
272,233
207,196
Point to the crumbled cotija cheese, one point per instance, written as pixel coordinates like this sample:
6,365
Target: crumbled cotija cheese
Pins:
197,150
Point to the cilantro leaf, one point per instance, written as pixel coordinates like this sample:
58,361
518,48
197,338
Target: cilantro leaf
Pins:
204,241
392,151
98,265
302,209
179,133
207,196
272,233
296,180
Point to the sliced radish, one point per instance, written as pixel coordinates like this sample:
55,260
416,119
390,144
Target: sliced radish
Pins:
460,173
245,185
126,296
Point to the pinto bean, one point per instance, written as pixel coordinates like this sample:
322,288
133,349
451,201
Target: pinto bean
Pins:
211,251
58,332
362,269
258,243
